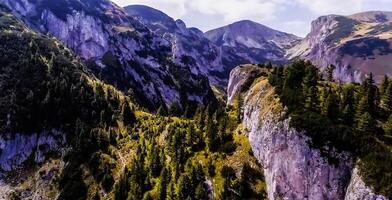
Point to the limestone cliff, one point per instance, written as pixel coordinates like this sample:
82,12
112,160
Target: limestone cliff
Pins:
293,169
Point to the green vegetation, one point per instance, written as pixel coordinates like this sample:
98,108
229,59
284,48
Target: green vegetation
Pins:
179,158
115,153
348,117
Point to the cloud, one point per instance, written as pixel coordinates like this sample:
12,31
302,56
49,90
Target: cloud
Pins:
174,8
234,10
322,7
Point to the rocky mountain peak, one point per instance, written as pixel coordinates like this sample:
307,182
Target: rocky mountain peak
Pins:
357,45
373,16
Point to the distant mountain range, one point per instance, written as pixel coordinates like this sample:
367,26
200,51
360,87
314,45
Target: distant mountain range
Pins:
218,51
145,52
357,45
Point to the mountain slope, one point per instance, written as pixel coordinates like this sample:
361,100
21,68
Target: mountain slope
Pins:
118,48
356,45
308,152
255,42
189,45
54,115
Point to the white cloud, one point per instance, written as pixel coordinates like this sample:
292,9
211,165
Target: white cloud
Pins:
322,7
234,10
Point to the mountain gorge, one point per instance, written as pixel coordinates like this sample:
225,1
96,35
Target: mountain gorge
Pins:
103,102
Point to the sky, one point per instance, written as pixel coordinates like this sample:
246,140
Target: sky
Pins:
291,16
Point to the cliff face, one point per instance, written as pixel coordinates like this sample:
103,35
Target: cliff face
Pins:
293,169
241,80
16,149
357,45
118,48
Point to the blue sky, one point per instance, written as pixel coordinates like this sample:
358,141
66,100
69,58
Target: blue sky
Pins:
292,16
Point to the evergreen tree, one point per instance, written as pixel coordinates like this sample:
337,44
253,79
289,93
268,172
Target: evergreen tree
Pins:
185,187
245,189
329,108
370,92
312,99
366,123
384,85
388,126
155,163
347,105
164,180
386,100
330,71
127,114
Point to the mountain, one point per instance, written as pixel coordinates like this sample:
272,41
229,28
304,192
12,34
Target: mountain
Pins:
305,152
64,134
357,45
189,45
254,42
118,49
54,114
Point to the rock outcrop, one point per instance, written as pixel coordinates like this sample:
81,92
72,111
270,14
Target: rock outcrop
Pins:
292,168
358,190
357,45
254,42
16,149
241,80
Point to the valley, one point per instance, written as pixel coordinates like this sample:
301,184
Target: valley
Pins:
103,102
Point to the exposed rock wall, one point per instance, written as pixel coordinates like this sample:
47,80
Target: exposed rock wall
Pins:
292,168
15,149
357,189
119,49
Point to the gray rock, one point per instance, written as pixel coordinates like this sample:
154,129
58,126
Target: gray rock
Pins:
15,149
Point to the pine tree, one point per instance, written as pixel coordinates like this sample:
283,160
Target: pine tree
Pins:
329,108
185,187
366,123
370,92
347,105
155,162
330,71
386,100
164,180
312,99
127,114
384,85
388,126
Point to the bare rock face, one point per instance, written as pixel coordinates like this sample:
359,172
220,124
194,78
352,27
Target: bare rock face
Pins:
357,45
241,79
254,42
15,149
357,189
292,168
118,48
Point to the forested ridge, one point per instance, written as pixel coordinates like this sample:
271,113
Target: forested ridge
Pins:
351,117
115,153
